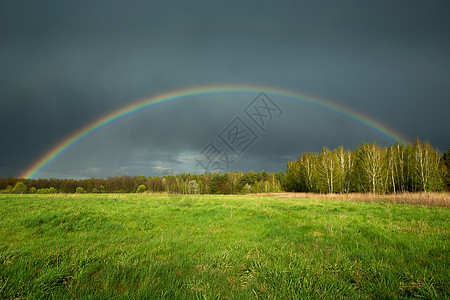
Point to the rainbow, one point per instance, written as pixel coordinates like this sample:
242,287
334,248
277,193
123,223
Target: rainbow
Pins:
185,94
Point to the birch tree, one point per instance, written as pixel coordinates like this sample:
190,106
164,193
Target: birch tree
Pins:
308,166
400,167
327,167
346,162
371,166
292,179
391,170
426,166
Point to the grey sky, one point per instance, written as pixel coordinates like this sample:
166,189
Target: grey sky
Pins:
63,65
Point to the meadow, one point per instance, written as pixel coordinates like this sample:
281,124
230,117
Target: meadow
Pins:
149,246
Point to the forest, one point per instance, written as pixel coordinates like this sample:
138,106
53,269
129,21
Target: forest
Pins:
208,183
370,168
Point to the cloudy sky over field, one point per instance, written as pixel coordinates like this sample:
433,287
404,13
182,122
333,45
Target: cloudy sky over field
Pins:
64,65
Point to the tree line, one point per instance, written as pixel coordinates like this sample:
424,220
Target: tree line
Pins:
370,168
208,183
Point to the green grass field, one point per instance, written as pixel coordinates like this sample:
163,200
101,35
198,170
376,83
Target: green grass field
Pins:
219,247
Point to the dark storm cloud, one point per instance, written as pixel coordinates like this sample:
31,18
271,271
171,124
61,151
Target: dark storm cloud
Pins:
64,65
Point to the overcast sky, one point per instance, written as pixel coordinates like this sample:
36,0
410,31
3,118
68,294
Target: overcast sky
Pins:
64,64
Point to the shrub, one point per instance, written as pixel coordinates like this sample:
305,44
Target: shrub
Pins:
80,190
8,190
50,190
20,188
142,188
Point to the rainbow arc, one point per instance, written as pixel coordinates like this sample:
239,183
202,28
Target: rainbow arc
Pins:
192,93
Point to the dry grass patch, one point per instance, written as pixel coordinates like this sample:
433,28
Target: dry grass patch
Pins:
427,199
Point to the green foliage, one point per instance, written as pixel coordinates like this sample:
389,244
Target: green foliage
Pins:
261,176
328,172
50,190
280,177
20,188
220,247
32,190
7,190
370,168
293,181
246,182
301,175
142,188
445,169
426,166
247,189
175,184
219,184
80,190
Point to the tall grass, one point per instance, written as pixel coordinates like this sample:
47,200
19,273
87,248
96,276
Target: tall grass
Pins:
424,198
226,247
